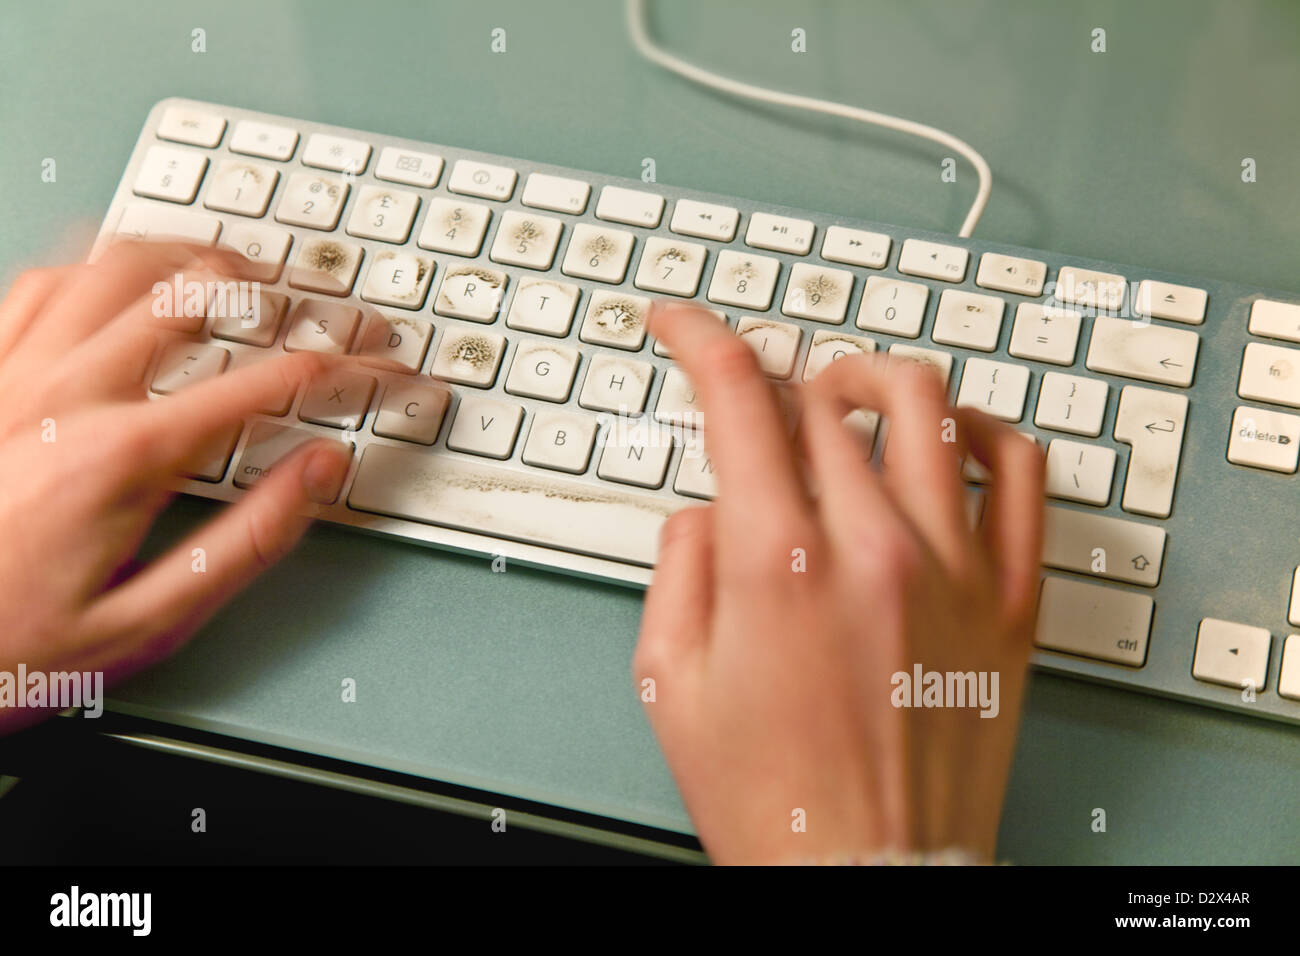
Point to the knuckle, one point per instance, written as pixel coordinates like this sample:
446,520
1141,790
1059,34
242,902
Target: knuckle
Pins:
728,361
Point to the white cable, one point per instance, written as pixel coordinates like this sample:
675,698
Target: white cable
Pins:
644,46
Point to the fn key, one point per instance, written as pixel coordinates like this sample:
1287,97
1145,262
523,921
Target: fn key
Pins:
1094,621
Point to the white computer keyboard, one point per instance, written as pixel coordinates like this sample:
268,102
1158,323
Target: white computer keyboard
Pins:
1163,402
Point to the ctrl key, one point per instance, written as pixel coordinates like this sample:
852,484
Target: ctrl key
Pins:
1094,621
268,444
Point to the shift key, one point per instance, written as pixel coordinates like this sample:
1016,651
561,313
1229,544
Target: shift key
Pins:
1105,547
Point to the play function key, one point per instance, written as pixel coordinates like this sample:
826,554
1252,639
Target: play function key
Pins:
779,233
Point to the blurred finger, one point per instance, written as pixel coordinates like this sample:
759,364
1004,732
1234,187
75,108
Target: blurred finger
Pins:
163,604
744,430
29,293
679,603
921,470
1013,516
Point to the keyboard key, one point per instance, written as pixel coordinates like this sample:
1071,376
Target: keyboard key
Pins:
412,412
1112,548
1264,439
556,513
209,464
338,399
933,260
636,455
1045,334
484,426
598,253
556,193
319,326
543,305
743,280
940,362
454,227
856,247
679,403
1151,353
893,306
560,441
1152,422
399,279
997,388
817,293
630,206
484,180
257,325
827,346
526,240
1093,621
241,187
695,472
1288,681
1009,274
1071,403
180,124
969,320
326,265
670,266
263,139
1077,471
1275,320
267,444
1095,290
157,223
409,167
188,363
780,233
705,220
1163,300
1293,616
395,343
542,370
1235,655
170,174
775,343
470,292
1270,373
265,247
616,384
383,214
336,153
312,201
470,357
615,319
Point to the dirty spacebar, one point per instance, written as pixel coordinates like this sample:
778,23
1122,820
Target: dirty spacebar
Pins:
532,507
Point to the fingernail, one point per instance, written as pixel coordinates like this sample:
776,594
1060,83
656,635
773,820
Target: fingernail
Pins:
323,475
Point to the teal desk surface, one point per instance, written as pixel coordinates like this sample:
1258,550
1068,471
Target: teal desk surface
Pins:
519,683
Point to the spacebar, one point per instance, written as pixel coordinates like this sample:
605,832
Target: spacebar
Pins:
524,506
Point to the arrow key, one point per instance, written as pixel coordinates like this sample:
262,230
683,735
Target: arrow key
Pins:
1235,655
